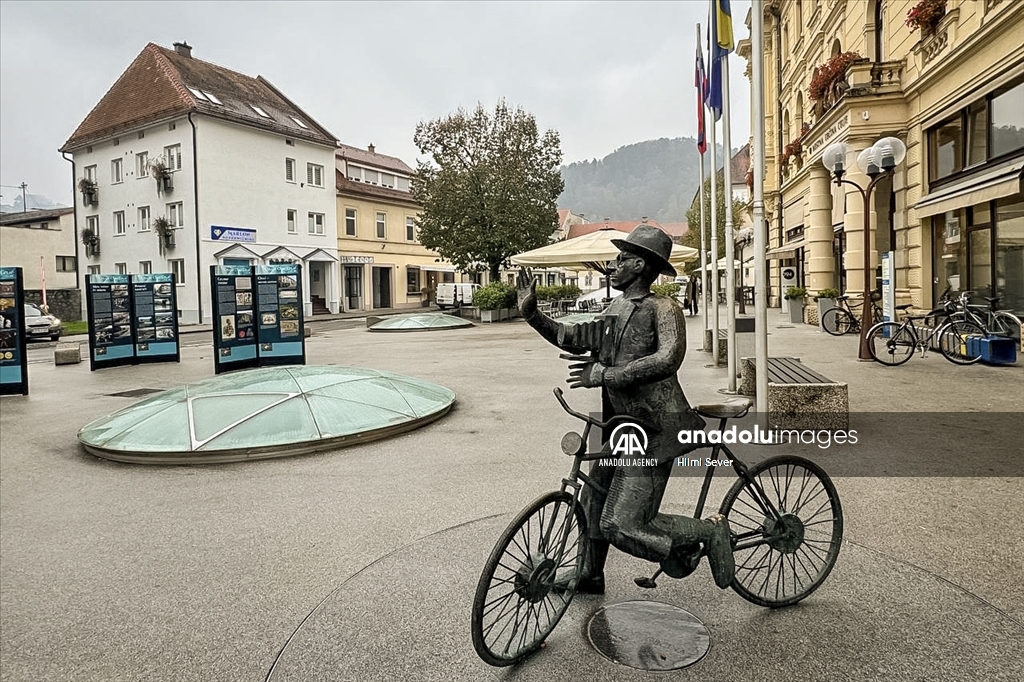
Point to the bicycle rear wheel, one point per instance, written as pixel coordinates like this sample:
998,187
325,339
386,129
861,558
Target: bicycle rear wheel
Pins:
529,579
1006,324
837,321
958,342
891,344
787,530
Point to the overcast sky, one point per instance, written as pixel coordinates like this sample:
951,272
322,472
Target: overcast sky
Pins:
602,74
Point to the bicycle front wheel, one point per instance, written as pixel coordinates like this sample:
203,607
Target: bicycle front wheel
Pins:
959,342
891,344
1006,324
787,530
529,579
837,321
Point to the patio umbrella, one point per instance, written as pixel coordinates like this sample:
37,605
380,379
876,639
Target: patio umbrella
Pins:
593,251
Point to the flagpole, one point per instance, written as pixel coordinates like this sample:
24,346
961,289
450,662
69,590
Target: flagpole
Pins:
703,219
730,247
760,233
714,242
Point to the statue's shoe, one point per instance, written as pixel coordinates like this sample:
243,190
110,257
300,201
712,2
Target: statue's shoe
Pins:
591,585
719,551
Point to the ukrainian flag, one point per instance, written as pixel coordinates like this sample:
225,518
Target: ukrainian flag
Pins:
721,13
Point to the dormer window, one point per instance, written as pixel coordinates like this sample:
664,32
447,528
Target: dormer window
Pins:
259,111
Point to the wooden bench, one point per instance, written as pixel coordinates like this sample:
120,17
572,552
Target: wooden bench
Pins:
799,397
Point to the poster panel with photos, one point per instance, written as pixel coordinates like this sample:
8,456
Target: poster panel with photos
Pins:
281,329
13,358
156,317
234,327
111,329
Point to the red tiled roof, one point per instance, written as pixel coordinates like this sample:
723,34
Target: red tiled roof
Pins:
622,226
156,87
373,158
676,230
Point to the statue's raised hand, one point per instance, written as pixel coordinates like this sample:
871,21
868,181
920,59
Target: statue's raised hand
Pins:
526,292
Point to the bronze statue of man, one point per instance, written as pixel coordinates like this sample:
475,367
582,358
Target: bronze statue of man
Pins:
635,363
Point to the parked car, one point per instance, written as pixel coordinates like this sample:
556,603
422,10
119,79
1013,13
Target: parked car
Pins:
453,295
38,323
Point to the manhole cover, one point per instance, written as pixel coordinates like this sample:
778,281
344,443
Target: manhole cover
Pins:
648,635
135,393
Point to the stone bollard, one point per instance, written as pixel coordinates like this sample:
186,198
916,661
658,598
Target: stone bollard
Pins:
67,354
307,331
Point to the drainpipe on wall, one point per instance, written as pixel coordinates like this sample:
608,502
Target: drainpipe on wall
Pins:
79,277
195,201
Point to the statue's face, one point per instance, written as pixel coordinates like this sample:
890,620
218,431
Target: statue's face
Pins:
625,270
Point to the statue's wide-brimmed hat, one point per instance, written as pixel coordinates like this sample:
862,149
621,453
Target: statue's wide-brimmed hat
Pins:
654,245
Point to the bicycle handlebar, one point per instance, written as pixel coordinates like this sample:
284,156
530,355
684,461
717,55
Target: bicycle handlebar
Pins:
559,393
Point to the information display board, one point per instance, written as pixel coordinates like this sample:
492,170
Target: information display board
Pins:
281,332
111,333
234,322
13,359
888,286
155,311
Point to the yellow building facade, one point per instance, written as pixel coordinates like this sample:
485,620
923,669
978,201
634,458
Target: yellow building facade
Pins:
383,265
951,87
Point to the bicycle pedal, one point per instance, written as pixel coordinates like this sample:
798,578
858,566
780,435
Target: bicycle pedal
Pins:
645,582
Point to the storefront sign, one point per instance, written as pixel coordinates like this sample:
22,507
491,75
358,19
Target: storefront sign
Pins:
13,359
234,315
232,234
356,259
830,134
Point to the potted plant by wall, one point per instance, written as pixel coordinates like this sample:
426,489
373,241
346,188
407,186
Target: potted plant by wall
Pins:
825,80
90,192
495,301
164,180
926,15
91,240
826,300
797,297
164,232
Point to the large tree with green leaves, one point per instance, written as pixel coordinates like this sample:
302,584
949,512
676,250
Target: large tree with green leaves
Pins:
491,188
692,236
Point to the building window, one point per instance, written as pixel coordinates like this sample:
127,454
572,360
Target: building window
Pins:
410,229
946,149
289,170
142,165
350,222
66,264
314,175
403,184
94,270
176,214
143,218
44,226
1007,121
178,269
119,222
382,225
145,267
316,223
116,173
387,180
370,176
412,280
121,268
172,156
259,111
90,173
93,223
292,216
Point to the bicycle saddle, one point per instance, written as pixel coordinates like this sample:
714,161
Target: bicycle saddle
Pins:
726,409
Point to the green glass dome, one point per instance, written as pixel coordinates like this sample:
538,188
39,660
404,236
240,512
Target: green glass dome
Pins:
420,322
269,412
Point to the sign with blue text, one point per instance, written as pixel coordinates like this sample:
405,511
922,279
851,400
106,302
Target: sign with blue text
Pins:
13,359
111,334
281,334
219,233
234,321
155,310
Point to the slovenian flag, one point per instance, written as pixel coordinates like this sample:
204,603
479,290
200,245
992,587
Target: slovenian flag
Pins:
700,81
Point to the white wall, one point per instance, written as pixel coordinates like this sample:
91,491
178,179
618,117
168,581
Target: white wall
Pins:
23,246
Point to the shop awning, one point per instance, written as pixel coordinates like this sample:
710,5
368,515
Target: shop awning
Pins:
1001,181
785,251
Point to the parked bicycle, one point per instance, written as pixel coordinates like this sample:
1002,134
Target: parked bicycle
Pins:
893,343
842,320
785,517
994,321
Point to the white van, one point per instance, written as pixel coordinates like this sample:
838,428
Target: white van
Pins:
453,295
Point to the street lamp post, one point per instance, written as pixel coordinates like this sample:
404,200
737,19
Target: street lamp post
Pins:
877,161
